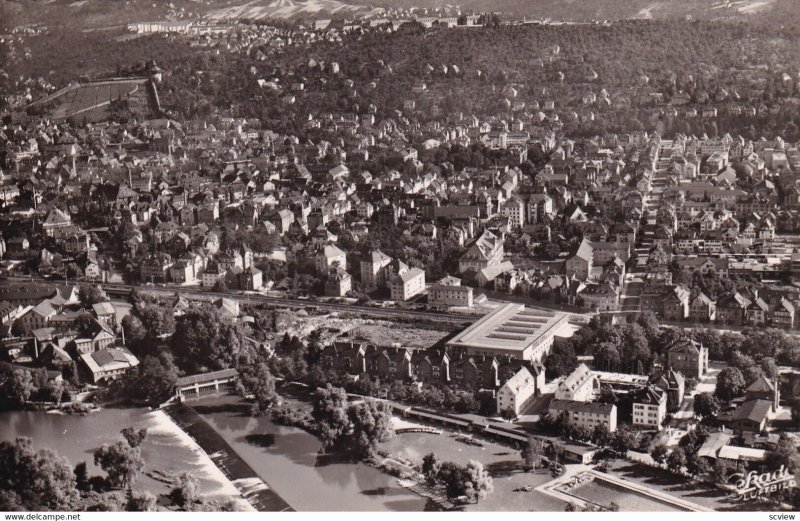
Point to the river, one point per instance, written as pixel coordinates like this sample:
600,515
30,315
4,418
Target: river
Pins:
166,448
286,458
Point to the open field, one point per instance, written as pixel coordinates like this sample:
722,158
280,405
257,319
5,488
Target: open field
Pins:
380,332
387,333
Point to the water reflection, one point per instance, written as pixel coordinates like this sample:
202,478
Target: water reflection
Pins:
291,461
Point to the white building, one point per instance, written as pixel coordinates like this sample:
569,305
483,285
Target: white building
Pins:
586,414
109,364
650,408
517,392
407,284
579,386
449,292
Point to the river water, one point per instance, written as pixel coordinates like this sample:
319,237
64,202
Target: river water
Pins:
288,459
77,437
285,457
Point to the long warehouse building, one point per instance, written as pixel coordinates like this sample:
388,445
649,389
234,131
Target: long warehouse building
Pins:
511,330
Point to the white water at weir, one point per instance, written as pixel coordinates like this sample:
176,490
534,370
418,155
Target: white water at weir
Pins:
167,450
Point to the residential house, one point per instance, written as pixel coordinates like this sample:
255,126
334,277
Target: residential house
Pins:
649,408
517,393
688,357
586,414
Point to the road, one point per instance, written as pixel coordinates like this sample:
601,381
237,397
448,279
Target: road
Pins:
631,291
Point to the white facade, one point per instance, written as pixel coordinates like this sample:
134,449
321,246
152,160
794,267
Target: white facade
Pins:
517,392
408,284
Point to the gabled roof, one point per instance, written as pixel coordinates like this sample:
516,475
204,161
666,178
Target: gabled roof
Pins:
761,384
522,379
753,410
585,251
685,345
104,308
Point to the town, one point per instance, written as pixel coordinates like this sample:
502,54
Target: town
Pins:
494,263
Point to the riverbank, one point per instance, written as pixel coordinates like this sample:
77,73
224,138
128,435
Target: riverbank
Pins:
225,460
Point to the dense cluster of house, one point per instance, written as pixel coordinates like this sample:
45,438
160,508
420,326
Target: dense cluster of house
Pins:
645,400
46,326
436,367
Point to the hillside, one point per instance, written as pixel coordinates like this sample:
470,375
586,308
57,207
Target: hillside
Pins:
289,9
93,14
587,10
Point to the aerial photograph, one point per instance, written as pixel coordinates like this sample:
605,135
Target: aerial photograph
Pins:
374,256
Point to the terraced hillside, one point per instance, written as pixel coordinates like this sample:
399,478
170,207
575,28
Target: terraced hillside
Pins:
289,9
91,101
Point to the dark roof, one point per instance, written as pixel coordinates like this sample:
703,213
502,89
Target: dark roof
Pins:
207,377
752,410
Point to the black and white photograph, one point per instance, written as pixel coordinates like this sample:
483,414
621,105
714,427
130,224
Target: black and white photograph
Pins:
393,256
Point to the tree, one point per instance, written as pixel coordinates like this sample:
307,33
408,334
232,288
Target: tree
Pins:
479,482
431,465
784,454
90,295
136,335
721,471
769,367
532,454
121,462
659,453
696,465
141,501
19,387
371,423
562,359
600,435
730,384
676,459
258,381
607,356
623,440
508,414
134,437
706,405
34,480
795,408
54,390
204,338
330,414
81,476
186,491
157,320
454,479
694,439
152,381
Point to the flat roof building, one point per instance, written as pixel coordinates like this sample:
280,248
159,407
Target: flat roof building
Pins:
511,330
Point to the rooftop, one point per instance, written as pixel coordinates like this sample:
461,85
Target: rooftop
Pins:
510,327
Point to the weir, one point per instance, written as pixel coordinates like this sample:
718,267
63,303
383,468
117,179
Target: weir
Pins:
242,475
